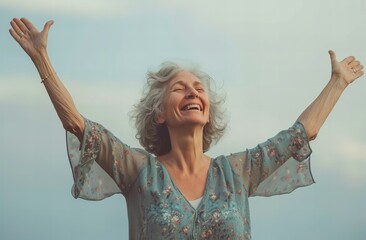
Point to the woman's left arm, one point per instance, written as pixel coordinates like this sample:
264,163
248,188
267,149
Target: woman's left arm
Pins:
343,73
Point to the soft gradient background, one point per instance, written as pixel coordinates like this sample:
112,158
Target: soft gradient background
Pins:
269,58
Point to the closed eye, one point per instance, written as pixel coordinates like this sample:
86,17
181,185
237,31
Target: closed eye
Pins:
178,90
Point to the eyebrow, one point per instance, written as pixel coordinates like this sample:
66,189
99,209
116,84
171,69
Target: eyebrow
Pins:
196,83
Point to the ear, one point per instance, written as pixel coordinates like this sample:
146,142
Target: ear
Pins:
161,119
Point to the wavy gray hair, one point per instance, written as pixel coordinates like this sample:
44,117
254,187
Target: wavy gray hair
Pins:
153,136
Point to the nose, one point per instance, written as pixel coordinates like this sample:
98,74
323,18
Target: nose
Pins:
192,93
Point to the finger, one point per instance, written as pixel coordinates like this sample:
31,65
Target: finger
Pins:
47,26
21,25
354,64
358,68
358,74
27,23
14,35
349,59
332,55
16,28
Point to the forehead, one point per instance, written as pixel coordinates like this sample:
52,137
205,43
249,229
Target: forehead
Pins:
185,77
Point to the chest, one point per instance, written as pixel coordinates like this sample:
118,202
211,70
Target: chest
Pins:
161,210
191,187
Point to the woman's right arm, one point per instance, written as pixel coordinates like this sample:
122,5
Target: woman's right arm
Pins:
34,44
101,164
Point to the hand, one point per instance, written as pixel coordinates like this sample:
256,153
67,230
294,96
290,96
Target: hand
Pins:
348,70
29,38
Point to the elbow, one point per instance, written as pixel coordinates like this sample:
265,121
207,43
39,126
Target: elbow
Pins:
311,133
75,128
312,137
70,128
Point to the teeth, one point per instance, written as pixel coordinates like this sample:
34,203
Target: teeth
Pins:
192,106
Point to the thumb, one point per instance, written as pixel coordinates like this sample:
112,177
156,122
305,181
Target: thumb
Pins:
332,56
47,26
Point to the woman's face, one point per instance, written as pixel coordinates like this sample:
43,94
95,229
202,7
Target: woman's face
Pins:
185,102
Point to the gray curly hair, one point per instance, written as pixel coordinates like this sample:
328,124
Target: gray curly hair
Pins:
154,136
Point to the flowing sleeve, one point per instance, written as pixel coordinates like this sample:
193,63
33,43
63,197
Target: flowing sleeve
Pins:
277,166
102,165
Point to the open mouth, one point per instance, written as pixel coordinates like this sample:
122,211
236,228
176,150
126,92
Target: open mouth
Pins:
192,106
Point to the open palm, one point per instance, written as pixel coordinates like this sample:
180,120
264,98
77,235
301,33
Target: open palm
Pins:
29,38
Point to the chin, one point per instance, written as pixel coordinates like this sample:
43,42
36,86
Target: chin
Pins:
194,123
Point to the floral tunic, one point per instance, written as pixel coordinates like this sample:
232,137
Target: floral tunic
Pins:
102,165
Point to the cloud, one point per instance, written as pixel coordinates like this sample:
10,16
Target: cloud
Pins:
341,154
352,154
16,87
352,149
106,102
82,7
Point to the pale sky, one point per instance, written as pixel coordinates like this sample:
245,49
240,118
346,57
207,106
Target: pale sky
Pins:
270,59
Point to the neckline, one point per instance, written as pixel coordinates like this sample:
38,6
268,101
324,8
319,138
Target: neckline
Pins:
178,190
195,202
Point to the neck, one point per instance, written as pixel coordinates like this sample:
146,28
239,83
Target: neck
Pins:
186,153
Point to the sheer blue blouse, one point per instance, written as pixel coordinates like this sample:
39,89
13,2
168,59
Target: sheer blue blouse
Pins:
102,165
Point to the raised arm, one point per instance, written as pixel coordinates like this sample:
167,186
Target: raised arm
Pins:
34,44
343,74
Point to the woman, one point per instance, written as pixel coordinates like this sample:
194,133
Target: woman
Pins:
173,189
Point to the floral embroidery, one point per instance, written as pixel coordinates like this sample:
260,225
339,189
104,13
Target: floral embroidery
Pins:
91,148
158,210
213,197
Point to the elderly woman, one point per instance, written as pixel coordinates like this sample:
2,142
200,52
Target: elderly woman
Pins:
172,188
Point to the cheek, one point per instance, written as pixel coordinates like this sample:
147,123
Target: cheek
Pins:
207,103
172,103
169,107
208,112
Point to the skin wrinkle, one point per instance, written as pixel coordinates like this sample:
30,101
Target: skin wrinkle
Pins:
186,162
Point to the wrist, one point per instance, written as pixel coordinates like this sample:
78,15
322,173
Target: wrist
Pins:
43,65
339,82
39,57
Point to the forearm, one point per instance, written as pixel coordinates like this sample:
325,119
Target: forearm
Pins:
62,101
317,112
